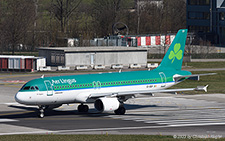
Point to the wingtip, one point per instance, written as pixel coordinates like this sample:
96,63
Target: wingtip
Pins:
205,88
202,88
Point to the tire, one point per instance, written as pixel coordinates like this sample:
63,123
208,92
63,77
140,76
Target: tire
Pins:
41,115
120,111
85,108
80,108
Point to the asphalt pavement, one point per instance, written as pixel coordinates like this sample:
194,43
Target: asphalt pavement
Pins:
164,114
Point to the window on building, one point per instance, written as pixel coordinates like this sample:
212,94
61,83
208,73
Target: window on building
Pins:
57,58
198,15
198,28
192,2
206,15
198,2
221,15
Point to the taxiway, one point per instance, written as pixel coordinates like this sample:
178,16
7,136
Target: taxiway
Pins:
163,114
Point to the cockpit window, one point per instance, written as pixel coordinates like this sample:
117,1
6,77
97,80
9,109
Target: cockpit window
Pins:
32,88
23,86
36,87
26,88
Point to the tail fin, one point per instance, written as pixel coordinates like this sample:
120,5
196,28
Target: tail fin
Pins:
174,56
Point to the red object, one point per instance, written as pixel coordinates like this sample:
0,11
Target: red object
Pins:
168,42
139,41
157,40
4,63
29,64
148,40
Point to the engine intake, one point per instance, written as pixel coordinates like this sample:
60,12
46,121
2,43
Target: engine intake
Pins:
107,104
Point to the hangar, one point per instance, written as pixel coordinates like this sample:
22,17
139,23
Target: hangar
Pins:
90,56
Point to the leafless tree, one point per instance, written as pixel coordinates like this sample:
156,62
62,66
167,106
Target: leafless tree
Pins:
174,15
162,17
82,19
63,10
106,13
17,20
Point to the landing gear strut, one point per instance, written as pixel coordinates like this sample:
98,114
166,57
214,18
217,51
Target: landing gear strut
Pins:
41,111
120,111
83,108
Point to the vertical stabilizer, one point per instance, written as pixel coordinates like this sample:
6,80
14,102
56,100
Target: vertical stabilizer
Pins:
174,56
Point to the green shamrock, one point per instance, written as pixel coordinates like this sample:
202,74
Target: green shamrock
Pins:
177,53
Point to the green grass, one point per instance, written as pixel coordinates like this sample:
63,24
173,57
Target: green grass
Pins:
215,82
104,137
198,65
84,137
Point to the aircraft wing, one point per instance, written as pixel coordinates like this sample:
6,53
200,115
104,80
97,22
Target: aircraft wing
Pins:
127,93
193,76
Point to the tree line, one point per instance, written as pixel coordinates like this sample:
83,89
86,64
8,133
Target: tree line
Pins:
27,24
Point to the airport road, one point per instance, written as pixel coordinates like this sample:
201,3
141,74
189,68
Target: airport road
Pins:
164,114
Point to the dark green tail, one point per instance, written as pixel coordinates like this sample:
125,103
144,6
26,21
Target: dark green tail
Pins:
174,56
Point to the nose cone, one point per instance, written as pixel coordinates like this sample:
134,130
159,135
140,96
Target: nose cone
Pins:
20,98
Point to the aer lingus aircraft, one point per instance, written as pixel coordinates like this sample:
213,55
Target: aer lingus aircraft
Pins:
108,91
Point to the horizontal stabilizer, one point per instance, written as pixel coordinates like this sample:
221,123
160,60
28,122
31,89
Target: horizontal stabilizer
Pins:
192,77
202,88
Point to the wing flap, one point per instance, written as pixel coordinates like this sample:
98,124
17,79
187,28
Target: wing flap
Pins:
96,95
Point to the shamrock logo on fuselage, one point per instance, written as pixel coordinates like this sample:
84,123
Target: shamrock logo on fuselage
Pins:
177,53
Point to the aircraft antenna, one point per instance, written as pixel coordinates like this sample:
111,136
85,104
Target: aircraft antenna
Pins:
43,76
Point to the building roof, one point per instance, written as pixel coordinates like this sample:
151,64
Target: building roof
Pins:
93,49
19,57
15,56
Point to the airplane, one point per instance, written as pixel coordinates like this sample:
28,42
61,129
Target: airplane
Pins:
109,91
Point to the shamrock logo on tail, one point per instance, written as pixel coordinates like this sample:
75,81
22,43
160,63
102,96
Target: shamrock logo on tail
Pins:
177,53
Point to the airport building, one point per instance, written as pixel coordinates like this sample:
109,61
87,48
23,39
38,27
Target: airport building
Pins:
92,56
21,63
206,19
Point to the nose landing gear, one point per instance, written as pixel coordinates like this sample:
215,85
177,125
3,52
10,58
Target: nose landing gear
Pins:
41,111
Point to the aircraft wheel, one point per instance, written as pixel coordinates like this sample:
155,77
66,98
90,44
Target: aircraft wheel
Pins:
41,115
120,111
83,108
41,111
79,108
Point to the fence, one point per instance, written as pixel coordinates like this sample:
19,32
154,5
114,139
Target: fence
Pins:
132,41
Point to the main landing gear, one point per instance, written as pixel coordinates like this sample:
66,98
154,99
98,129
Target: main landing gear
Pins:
83,108
120,111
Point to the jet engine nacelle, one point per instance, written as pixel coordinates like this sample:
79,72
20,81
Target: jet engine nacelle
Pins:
107,104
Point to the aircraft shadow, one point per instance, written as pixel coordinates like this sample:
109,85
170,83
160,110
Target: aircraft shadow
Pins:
32,112
136,106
